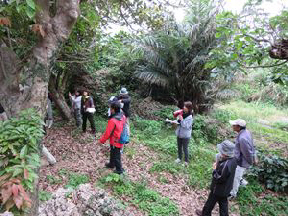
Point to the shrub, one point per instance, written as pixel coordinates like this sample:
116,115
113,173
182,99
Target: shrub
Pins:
76,179
273,172
147,199
19,158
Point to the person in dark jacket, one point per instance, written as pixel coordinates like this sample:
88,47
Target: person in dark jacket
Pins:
86,105
113,132
222,181
126,100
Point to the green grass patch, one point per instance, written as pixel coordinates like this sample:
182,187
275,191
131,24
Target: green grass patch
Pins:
53,180
201,153
76,179
44,196
253,200
145,198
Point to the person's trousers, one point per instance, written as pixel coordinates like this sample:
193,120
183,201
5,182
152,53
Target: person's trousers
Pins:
3,116
89,116
239,172
183,146
210,203
77,116
115,158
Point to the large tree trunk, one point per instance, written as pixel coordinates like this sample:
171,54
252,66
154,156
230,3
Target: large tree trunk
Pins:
27,87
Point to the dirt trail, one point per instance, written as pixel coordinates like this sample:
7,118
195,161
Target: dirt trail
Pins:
76,152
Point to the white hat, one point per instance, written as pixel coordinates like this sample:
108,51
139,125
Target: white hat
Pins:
226,148
240,122
123,91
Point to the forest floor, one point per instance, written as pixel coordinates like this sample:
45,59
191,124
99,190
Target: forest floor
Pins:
78,153
149,163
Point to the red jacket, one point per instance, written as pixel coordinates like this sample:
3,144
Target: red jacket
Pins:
114,130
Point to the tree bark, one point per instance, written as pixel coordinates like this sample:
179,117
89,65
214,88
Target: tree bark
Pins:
27,86
58,99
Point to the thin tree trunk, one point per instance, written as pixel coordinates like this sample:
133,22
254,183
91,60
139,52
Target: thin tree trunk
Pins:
58,99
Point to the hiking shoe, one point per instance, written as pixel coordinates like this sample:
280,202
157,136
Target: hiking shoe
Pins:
119,172
231,197
243,183
109,166
198,212
177,160
185,164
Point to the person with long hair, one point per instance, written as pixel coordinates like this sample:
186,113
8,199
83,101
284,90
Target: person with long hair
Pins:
184,131
86,105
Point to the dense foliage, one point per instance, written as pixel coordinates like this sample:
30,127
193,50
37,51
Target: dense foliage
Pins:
273,172
19,154
175,56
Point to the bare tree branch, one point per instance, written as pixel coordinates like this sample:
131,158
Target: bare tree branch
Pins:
258,40
263,66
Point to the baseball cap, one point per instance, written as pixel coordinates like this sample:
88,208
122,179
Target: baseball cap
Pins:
240,122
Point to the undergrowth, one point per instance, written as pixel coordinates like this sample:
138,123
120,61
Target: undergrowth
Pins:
139,194
255,200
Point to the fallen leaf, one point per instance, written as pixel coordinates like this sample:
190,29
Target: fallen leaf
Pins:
5,21
15,190
18,201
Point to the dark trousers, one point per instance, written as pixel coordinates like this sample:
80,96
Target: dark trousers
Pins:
115,158
91,120
183,146
210,203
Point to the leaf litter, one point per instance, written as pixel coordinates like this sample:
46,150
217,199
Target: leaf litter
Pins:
79,153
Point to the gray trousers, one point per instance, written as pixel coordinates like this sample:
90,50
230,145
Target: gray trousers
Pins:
78,117
182,144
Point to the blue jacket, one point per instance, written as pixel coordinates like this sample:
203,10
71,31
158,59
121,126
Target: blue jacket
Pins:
244,149
184,129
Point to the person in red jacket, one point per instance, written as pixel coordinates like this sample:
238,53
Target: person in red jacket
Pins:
113,132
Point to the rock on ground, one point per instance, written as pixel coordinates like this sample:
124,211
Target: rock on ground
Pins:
85,200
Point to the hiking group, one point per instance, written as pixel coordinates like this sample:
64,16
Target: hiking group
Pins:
231,161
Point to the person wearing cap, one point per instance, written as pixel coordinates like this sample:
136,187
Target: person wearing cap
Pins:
222,180
126,100
113,132
244,151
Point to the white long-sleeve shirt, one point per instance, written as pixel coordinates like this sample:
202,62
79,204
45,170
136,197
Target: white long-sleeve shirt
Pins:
76,102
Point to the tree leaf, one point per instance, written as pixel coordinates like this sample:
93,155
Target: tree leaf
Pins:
15,190
18,201
26,174
23,152
6,193
218,35
30,12
31,4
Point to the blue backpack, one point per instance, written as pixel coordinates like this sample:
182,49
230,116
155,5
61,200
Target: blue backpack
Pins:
124,138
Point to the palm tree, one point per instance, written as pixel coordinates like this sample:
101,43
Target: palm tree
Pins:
175,56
